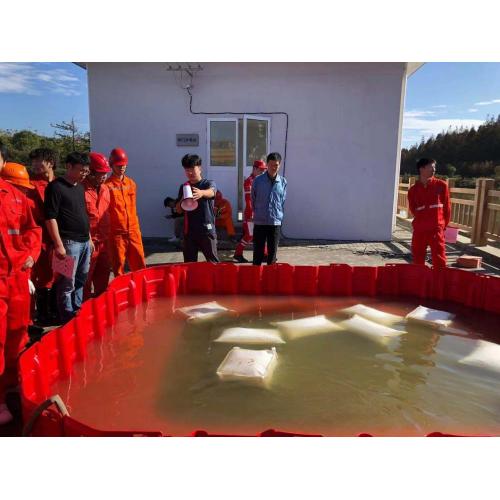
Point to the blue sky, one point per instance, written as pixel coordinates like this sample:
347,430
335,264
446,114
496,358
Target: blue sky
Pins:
438,95
33,95
442,94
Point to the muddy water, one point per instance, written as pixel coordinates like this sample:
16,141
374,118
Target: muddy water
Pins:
153,371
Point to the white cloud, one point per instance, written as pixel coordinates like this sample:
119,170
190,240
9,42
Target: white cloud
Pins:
487,103
417,113
428,127
472,110
24,78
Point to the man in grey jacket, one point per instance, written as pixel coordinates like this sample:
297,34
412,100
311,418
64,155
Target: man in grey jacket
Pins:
268,200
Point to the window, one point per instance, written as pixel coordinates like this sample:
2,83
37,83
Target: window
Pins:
223,142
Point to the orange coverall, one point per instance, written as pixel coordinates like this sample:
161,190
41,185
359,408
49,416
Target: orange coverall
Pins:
20,238
97,204
224,217
431,209
125,233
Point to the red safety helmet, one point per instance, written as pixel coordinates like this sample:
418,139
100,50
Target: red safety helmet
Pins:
118,157
99,163
261,165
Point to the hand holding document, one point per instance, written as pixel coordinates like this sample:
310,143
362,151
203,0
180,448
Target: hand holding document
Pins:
64,266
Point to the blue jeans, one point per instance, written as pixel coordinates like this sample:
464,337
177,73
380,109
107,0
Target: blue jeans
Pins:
69,291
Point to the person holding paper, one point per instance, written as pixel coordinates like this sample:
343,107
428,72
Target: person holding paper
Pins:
20,243
69,228
199,220
259,167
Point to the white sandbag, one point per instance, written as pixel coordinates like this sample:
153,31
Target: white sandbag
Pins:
430,317
250,336
248,365
372,331
371,314
313,325
477,353
203,312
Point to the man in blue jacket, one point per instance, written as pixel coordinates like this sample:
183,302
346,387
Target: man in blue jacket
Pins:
268,200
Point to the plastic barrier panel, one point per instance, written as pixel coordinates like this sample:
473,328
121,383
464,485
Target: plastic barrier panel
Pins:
54,356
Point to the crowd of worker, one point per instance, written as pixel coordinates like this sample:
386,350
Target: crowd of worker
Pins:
61,237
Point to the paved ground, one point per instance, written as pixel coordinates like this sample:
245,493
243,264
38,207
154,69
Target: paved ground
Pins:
303,252
320,252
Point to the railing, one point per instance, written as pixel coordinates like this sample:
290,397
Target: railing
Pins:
476,212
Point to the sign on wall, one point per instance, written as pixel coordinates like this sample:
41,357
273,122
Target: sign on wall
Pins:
184,140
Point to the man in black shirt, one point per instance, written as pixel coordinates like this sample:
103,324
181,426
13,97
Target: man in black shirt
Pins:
199,224
68,225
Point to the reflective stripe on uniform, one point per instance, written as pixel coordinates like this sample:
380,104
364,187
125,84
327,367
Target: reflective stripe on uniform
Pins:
13,231
420,208
437,205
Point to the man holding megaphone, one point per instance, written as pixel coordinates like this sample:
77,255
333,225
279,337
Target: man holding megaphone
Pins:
196,201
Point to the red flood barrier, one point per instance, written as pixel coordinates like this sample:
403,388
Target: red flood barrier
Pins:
54,356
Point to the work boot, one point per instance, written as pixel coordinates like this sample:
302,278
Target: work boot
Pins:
240,259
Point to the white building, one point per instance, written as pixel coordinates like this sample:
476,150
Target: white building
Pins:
337,125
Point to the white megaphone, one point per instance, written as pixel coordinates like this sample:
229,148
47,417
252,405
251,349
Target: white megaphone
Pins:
187,203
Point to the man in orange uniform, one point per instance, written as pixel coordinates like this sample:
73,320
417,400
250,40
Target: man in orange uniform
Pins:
20,241
429,202
224,214
43,164
97,202
259,167
125,235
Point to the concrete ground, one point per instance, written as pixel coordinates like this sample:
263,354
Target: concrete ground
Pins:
304,252
320,252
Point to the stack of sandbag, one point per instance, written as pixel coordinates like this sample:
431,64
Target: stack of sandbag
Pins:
371,314
298,328
430,317
204,312
372,331
263,336
479,354
247,365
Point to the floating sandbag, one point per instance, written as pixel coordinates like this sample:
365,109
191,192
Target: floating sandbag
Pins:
250,336
371,314
430,317
313,325
203,312
248,365
371,330
471,352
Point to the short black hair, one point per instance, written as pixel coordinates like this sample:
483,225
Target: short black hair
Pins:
273,157
44,154
423,162
190,161
76,158
4,151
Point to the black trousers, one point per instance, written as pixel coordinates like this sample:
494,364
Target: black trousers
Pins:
206,243
261,235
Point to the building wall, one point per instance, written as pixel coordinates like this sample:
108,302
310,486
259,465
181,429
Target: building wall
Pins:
344,122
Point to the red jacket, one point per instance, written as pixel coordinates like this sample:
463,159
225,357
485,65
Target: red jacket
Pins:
37,195
430,205
247,188
98,210
20,237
